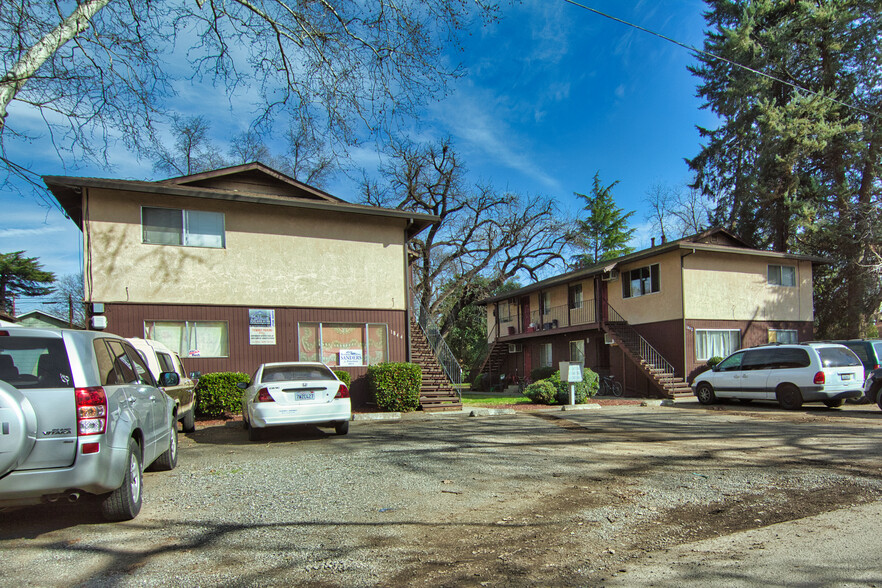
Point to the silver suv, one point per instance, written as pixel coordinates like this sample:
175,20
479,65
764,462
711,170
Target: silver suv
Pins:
790,374
80,413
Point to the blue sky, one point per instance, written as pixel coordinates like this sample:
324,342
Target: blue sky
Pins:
553,94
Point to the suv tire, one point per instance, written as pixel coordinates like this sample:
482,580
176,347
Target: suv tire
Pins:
188,423
124,503
169,458
705,393
789,397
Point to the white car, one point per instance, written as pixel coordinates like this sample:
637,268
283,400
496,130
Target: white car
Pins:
790,374
295,393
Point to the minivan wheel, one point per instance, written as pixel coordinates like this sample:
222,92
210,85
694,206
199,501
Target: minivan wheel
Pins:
124,503
789,397
833,403
705,393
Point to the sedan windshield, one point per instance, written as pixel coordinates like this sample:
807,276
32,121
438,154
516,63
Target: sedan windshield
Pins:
287,373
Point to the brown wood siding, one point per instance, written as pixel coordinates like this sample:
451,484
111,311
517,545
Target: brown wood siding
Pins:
752,333
128,320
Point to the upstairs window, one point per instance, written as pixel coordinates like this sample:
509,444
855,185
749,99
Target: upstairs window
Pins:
641,281
190,228
545,302
575,296
782,275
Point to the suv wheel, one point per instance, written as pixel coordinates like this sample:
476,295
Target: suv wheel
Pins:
188,423
169,458
705,393
789,397
124,503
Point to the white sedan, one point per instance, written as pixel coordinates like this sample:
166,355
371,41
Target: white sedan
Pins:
295,393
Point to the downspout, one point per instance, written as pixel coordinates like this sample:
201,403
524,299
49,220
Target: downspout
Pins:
408,294
683,312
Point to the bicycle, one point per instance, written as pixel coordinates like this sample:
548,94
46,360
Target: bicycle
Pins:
610,387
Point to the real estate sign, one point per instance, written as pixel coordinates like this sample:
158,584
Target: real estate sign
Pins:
262,326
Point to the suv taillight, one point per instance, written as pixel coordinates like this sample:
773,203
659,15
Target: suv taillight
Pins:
264,396
820,378
91,410
342,392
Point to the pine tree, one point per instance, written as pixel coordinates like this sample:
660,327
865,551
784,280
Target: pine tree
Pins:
20,275
604,234
795,164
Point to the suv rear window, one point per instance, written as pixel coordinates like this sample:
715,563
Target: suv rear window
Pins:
34,362
838,357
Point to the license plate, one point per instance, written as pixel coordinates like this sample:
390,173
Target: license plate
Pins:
845,376
304,396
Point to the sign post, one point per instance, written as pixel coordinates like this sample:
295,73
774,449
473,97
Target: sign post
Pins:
571,371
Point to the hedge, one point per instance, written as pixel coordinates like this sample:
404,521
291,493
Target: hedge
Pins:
344,377
217,393
396,386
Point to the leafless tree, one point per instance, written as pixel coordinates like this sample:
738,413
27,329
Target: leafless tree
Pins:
192,152
102,71
483,232
677,211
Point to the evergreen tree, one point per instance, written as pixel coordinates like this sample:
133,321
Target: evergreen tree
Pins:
604,234
795,164
20,275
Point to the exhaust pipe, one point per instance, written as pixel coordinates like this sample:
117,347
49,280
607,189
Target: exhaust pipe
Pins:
73,496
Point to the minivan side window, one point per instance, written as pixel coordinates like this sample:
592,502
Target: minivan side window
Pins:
788,358
756,360
731,363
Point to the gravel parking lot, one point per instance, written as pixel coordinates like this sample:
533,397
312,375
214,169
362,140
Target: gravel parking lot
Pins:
551,499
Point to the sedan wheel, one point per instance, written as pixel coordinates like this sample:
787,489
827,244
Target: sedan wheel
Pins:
833,403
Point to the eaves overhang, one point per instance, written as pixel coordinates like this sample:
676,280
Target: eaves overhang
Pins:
68,192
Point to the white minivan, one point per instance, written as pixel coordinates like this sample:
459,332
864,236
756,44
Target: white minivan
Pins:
789,374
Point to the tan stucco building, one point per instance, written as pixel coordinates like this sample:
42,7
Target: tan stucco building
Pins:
652,319
244,265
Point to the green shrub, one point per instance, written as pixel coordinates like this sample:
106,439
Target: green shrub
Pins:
396,386
541,373
714,361
584,389
541,392
217,393
344,377
481,383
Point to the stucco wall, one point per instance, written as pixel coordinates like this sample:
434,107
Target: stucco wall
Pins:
274,256
664,305
735,287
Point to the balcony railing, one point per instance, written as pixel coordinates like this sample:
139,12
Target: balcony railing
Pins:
555,317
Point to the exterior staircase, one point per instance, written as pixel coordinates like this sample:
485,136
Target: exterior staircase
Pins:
492,365
656,368
437,392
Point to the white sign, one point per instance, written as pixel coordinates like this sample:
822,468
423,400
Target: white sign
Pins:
350,358
570,371
262,335
261,326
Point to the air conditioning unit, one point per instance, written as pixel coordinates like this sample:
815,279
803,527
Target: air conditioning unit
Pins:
515,347
610,276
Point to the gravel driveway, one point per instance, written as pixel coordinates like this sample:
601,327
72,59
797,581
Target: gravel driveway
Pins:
550,499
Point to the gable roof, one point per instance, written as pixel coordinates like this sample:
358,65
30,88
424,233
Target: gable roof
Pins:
251,182
716,239
43,316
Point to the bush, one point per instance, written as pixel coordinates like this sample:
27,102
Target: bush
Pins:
481,383
217,393
541,373
541,392
344,377
396,386
714,361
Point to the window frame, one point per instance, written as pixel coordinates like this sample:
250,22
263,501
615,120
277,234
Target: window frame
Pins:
366,349
652,278
577,343
724,355
775,275
185,224
542,348
794,332
186,329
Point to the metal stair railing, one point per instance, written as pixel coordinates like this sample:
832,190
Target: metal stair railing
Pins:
635,341
439,346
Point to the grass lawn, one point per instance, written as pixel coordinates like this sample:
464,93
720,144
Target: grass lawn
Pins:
492,399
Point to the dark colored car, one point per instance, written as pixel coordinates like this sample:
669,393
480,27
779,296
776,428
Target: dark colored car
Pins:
869,351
